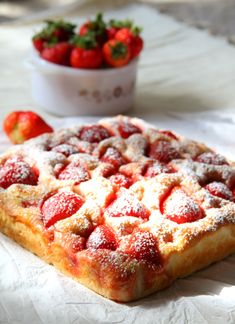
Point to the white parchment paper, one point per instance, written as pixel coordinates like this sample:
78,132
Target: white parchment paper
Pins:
34,292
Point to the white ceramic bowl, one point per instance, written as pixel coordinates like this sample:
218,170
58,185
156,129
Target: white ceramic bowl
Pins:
67,91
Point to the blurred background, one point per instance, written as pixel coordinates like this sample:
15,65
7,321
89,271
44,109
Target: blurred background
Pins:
217,16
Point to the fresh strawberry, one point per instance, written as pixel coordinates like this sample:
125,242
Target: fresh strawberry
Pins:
38,43
169,134
96,27
163,151
23,125
211,158
143,247
120,180
111,32
102,238
16,170
65,149
157,168
127,129
116,25
53,33
116,53
113,156
94,133
76,173
181,208
86,53
58,53
132,39
60,206
127,205
219,189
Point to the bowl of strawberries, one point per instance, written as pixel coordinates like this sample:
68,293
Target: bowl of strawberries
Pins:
86,70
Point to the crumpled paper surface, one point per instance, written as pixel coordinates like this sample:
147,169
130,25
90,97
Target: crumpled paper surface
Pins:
33,292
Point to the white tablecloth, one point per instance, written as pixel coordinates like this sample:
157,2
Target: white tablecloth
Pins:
181,69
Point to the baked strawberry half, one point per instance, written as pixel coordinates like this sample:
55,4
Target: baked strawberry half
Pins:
211,158
163,151
94,133
59,206
181,208
127,205
143,247
102,237
127,129
220,190
113,156
76,173
16,170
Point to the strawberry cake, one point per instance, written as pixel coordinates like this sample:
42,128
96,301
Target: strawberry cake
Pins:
120,206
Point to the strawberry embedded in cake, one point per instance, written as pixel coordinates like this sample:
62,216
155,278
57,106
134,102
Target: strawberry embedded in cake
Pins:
94,133
17,171
220,190
113,156
77,173
181,208
120,180
65,149
60,206
157,168
168,134
142,245
103,237
163,151
126,129
211,158
127,204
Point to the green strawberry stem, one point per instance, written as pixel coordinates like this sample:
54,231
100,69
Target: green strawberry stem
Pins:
118,50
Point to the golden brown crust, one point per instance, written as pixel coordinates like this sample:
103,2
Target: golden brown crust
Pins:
184,248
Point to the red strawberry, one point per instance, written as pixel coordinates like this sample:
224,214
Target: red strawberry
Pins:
181,208
76,173
66,149
60,206
143,246
38,43
219,189
86,57
127,205
132,39
116,53
23,125
211,158
127,129
168,133
157,168
119,180
96,27
52,33
111,32
57,53
163,151
102,238
94,133
113,156
16,170
116,25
